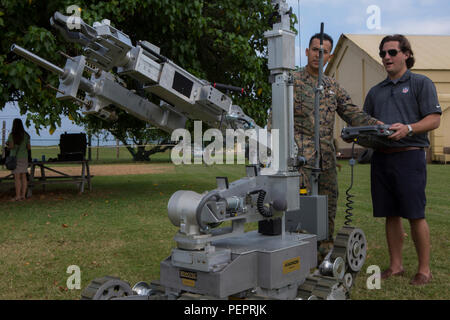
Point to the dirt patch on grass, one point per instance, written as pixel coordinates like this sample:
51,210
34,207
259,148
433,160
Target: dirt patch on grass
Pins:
125,169
106,169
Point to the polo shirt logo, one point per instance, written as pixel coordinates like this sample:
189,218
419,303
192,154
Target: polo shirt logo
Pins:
405,90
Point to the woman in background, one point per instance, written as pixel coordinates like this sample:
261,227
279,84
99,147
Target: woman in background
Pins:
19,143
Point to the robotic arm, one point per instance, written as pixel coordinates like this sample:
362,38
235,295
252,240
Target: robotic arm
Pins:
183,96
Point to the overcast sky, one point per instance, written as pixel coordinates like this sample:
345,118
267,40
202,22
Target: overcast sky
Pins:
430,17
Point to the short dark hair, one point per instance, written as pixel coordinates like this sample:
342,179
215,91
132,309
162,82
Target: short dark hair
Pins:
404,45
325,37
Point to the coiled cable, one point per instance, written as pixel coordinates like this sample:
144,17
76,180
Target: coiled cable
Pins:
263,210
348,211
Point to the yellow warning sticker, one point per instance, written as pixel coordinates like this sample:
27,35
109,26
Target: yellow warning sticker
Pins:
188,282
291,265
188,278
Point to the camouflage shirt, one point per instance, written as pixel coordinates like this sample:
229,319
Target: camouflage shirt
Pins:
334,99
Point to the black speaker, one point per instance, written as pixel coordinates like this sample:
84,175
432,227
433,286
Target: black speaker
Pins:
270,227
72,147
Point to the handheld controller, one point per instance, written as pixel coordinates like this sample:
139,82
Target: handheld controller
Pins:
380,130
369,136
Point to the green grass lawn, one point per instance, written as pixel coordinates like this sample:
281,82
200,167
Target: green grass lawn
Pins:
121,228
438,207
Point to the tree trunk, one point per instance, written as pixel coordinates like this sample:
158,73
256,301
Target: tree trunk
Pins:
140,154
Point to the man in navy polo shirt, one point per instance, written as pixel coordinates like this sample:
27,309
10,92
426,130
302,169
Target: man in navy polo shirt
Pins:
409,103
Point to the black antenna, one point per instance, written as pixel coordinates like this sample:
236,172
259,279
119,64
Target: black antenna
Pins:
321,34
318,91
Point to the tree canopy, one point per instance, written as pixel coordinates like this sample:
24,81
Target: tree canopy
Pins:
221,41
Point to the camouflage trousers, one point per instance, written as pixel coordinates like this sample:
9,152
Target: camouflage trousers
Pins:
327,186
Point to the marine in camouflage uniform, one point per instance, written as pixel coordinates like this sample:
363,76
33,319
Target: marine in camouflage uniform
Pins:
334,99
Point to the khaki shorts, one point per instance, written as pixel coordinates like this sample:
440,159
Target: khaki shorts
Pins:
22,166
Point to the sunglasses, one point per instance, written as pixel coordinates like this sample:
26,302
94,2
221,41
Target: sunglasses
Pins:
392,53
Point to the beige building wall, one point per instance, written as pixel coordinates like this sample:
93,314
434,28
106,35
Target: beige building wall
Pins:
357,70
440,138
